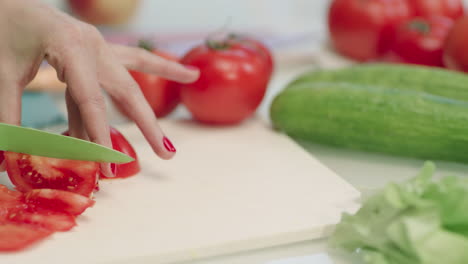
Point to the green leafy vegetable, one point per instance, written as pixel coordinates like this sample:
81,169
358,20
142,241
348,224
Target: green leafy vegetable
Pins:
421,221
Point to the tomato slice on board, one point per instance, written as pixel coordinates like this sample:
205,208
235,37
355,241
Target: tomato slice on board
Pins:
9,200
29,172
15,237
44,219
57,201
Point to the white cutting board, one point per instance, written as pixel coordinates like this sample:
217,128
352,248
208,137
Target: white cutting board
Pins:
227,190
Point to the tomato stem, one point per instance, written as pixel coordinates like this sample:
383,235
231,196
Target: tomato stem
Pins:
217,45
146,44
420,26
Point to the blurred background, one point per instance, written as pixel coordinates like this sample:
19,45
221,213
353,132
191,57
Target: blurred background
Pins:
208,15
294,30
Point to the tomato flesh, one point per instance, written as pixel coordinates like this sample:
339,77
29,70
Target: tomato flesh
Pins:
16,237
58,201
29,172
30,217
45,219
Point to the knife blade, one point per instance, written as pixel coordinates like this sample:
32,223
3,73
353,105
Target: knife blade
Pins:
40,143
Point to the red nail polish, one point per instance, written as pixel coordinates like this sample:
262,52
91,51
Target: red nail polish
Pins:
192,68
168,145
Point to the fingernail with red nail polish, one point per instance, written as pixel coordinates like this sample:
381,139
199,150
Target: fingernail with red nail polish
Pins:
190,67
168,145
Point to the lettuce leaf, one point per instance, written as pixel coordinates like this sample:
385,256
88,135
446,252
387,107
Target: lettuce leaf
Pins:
420,221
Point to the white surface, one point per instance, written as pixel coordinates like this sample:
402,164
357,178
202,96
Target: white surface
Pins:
228,190
315,259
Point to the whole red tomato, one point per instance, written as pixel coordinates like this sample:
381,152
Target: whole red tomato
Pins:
421,40
162,94
363,29
455,51
255,44
233,80
449,8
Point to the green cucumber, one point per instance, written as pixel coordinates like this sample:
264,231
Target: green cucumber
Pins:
432,80
373,118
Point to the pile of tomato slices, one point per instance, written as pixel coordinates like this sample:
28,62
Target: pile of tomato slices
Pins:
50,193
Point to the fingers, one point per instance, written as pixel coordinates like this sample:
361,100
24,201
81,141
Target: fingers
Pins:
75,123
78,70
10,106
144,61
125,91
10,101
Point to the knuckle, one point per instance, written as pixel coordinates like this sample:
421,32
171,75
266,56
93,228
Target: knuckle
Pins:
140,58
128,95
95,102
79,34
166,69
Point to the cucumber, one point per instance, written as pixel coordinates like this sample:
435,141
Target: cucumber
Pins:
432,80
373,118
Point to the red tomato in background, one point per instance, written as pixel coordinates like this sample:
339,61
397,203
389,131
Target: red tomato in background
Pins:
448,8
455,51
120,143
255,44
363,29
421,40
162,95
29,172
233,80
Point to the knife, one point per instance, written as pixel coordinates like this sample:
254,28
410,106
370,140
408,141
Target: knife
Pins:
40,143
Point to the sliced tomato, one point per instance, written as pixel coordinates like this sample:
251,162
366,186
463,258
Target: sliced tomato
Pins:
9,200
120,143
15,237
29,172
57,201
8,196
44,219
2,158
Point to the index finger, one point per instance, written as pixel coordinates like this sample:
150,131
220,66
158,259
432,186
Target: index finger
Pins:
84,89
144,61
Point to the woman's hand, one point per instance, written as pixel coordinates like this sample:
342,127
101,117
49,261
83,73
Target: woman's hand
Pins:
32,31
